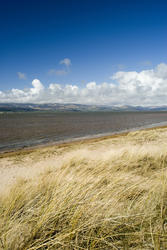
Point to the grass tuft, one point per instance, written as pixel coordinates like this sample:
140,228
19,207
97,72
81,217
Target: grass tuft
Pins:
115,198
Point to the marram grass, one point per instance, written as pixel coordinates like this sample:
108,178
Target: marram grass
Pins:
116,199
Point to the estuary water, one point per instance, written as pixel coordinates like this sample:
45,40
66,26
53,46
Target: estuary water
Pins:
19,130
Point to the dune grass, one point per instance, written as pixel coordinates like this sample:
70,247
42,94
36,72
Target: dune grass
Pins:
108,195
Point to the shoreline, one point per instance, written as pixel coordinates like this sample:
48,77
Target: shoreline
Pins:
75,184
79,140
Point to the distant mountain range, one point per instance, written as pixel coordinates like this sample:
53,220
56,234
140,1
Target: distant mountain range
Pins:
29,107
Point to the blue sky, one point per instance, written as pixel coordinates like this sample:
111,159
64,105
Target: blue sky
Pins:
99,37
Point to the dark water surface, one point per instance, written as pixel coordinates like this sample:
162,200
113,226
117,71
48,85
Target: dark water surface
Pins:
18,130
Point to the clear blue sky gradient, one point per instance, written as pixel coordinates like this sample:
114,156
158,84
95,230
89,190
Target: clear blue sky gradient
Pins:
97,36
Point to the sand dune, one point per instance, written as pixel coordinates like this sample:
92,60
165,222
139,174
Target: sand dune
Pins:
106,193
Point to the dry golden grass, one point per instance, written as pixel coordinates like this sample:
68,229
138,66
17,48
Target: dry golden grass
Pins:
110,194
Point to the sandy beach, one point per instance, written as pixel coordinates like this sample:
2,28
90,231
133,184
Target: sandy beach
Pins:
83,186
27,163
83,125
30,162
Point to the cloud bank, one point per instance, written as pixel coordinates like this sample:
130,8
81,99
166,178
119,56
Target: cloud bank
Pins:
148,87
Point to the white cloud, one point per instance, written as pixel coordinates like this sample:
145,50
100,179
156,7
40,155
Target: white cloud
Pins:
21,76
37,87
61,72
148,87
66,62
